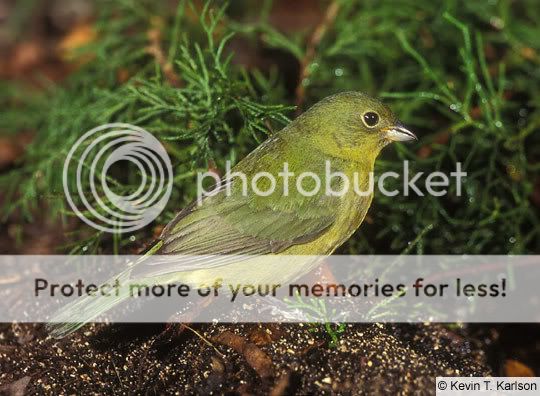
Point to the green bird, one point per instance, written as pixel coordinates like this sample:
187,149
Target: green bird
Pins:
344,132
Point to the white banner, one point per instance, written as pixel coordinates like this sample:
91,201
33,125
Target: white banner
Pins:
270,288
487,386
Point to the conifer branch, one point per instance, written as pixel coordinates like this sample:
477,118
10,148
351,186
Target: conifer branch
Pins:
154,35
311,50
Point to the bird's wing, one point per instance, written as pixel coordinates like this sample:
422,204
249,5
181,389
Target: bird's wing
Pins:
225,227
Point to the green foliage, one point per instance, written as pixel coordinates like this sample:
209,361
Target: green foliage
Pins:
431,67
318,316
215,113
464,76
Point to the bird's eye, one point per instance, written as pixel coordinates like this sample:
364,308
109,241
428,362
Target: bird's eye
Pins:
371,119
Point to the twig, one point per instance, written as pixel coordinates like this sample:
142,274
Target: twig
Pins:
479,269
205,340
10,279
313,43
154,49
116,371
7,348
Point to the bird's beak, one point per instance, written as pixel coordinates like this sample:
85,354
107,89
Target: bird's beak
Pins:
398,133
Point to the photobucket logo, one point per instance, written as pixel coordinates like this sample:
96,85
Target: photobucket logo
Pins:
331,182
95,164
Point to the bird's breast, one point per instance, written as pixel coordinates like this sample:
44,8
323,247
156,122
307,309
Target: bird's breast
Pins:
349,217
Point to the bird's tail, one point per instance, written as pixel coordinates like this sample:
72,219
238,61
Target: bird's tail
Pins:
86,308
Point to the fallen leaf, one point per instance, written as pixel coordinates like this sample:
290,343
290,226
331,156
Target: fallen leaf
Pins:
281,385
255,357
259,337
26,56
11,148
17,388
528,53
78,37
513,368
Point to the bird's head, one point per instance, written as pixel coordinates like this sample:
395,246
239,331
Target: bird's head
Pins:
352,125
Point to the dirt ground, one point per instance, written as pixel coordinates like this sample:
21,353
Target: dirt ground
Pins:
235,359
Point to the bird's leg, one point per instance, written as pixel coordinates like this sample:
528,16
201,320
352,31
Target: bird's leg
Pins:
321,274
175,328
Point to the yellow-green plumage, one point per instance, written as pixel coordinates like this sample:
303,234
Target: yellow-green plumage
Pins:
336,130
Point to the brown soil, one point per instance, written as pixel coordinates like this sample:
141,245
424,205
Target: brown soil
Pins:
235,359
